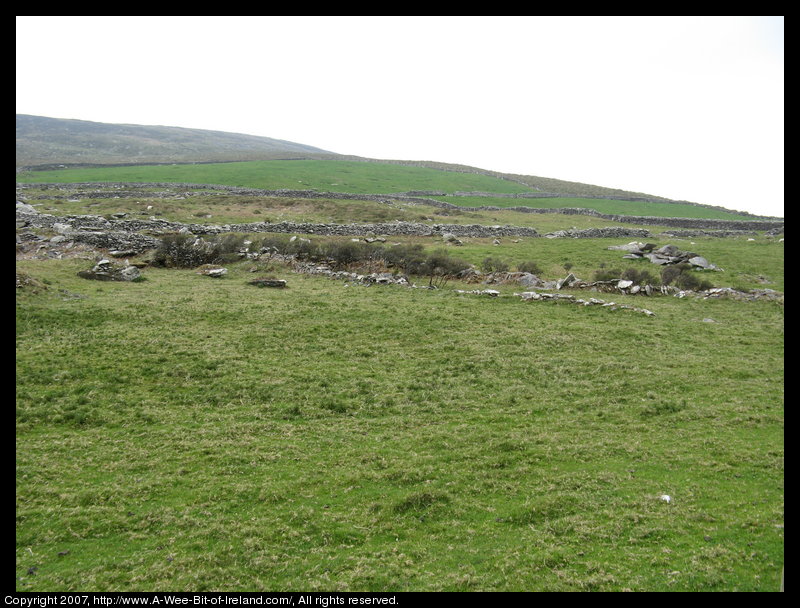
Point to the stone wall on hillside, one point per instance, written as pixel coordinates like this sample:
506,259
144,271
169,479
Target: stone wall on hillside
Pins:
93,190
88,224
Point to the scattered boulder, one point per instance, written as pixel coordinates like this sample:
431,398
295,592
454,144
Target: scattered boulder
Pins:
668,254
25,208
451,239
210,270
568,280
268,282
526,279
633,246
701,262
106,270
482,292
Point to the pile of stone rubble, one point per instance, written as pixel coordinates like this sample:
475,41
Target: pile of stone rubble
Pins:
668,254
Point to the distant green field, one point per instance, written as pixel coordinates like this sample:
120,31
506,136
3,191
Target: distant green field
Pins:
608,206
324,175
362,178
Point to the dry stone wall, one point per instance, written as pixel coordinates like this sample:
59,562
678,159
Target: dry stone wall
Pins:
92,190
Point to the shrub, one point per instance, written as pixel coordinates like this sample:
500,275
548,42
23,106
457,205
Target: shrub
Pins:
184,251
494,265
683,278
409,258
669,274
691,282
272,244
304,249
532,267
640,277
344,253
440,263
606,274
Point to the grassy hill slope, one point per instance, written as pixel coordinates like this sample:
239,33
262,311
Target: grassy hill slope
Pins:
367,178
42,141
198,434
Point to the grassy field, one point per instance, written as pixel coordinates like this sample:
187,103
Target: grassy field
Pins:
188,433
336,176
362,178
608,206
227,209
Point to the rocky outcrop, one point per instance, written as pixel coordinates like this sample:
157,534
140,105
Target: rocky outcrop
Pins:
663,256
106,270
268,282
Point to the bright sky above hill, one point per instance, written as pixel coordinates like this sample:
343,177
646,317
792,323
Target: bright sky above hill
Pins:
690,108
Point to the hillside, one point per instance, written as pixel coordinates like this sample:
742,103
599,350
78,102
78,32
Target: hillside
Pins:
43,142
49,141
292,374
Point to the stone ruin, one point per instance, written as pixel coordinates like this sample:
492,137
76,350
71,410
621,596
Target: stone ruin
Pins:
668,254
106,270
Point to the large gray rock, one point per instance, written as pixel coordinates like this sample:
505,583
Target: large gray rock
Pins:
212,271
701,262
566,281
268,282
629,247
106,270
529,280
668,251
25,208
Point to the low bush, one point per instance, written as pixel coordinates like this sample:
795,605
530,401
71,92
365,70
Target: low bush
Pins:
409,258
344,253
491,264
440,263
184,251
639,277
682,277
606,274
532,267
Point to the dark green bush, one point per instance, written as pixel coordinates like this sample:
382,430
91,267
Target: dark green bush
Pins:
683,278
532,267
344,253
491,264
184,251
409,258
670,273
304,249
606,274
640,277
440,263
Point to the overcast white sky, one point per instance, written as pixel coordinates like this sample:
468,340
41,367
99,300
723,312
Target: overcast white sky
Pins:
689,108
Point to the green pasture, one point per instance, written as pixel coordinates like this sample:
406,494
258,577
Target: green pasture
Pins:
362,178
324,175
186,433
607,206
190,433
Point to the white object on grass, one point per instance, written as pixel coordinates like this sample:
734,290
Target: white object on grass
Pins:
666,498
